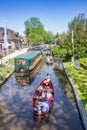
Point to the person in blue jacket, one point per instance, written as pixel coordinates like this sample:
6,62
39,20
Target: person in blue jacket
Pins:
45,106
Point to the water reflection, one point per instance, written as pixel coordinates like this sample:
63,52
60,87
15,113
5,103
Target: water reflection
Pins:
63,84
26,78
16,103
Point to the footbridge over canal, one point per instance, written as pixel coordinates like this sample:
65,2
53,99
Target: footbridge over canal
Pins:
43,47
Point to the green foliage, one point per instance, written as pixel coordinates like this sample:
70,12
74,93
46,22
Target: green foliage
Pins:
5,70
1,55
80,35
48,37
83,60
79,78
57,35
63,38
61,51
35,32
24,45
79,27
35,39
11,62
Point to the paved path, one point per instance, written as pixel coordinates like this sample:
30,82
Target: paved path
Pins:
14,54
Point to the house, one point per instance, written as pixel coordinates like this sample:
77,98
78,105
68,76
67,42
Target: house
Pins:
24,39
13,38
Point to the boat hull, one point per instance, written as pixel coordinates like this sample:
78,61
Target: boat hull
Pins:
42,115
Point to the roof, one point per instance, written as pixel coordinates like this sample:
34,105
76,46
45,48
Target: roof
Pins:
29,55
11,35
24,38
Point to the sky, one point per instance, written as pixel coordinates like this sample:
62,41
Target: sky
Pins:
53,14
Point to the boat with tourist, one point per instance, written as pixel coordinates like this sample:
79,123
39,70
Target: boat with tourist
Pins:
49,60
43,100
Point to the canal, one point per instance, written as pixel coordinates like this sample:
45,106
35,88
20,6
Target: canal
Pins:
16,102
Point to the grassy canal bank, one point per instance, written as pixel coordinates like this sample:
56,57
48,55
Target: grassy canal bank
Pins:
6,70
79,78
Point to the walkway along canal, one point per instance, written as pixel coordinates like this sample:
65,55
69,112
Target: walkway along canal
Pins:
16,102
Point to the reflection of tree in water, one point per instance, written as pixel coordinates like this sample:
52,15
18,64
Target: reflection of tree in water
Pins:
61,77
63,83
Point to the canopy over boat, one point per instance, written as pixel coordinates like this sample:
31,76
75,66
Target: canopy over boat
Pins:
29,55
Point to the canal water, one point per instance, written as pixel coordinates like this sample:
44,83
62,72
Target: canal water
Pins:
16,101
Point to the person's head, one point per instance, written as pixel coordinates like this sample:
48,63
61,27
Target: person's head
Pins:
40,87
47,74
47,84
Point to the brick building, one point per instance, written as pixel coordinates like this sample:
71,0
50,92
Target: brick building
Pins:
13,38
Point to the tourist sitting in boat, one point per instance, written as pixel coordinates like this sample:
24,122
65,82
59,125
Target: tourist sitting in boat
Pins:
47,79
46,87
51,59
44,106
49,95
40,88
41,94
48,59
45,94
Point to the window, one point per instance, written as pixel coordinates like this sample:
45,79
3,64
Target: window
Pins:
21,62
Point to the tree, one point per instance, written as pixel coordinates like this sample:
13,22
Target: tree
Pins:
49,38
80,39
35,32
33,29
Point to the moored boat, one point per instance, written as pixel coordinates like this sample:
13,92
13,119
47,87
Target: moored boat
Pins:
43,100
27,62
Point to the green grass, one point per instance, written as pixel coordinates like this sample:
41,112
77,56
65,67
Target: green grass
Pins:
79,78
11,61
83,60
5,69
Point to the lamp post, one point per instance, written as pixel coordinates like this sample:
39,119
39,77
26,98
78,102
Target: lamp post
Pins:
72,48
